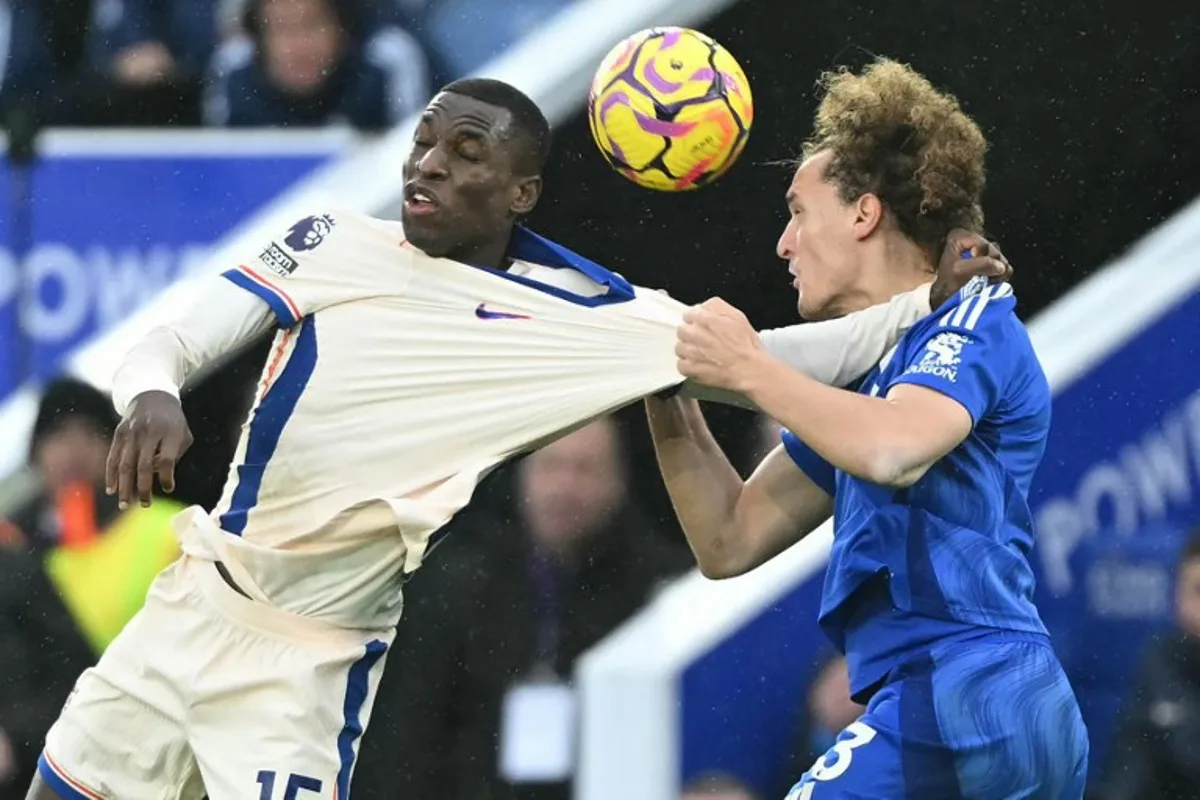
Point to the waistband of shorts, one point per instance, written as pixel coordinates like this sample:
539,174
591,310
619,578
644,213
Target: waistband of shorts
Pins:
269,619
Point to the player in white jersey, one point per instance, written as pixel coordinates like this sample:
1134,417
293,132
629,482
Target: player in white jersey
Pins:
409,360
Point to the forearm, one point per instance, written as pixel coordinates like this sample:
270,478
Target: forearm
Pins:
834,352
859,435
220,318
837,352
703,485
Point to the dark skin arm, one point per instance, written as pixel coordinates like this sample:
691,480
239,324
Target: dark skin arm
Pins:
148,443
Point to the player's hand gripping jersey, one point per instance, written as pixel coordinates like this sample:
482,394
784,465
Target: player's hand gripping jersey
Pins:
395,382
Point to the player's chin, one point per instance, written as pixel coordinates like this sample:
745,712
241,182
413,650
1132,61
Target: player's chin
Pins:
812,310
424,236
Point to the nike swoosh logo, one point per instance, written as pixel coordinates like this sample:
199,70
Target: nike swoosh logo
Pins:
482,312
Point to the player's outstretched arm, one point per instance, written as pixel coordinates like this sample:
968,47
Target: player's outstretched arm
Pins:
153,433
890,441
839,351
834,352
731,525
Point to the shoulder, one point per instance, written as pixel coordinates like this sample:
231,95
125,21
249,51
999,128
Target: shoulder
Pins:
306,240
985,317
985,309
318,231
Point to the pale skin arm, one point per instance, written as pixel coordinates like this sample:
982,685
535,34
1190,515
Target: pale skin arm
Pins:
836,352
891,441
731,525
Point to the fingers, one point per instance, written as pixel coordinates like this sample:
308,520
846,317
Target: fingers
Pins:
995,270
146,451
710,310
140,453
985,266
972,246
961,240
127,469
112,467
172,448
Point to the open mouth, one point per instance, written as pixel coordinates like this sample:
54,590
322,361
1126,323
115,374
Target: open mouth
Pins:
420,201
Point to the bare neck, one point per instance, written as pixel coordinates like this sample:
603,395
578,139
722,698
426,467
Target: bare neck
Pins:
893,266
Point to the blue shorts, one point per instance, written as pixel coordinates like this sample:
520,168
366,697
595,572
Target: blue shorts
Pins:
990,719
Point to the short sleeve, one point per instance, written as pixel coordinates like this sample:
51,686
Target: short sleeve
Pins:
968,356
818,470
321,260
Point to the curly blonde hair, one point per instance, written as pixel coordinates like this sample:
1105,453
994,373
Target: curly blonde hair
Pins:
892,134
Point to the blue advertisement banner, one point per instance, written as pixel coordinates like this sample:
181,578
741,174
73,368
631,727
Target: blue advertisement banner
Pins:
86,238
1116,494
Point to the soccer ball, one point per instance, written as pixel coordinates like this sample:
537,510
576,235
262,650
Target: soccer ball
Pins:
670,109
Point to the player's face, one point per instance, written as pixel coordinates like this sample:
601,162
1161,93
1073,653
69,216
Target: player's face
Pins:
818,243
1187,597
462,192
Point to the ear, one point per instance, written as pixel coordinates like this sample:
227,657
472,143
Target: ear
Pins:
868,213
528,190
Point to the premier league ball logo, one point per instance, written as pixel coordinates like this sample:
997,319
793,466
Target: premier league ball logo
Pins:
308,233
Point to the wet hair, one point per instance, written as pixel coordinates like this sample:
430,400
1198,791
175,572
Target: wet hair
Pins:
529,130
894,135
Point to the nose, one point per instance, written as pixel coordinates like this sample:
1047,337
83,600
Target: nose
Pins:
785,247
433,164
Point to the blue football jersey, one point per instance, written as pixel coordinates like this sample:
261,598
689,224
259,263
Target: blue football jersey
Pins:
949,556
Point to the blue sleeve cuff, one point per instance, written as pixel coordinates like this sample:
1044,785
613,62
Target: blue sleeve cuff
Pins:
942,387
818,470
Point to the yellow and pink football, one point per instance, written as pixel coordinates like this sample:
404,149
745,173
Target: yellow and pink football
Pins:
670,109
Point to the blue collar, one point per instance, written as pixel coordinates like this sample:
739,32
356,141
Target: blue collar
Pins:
526,245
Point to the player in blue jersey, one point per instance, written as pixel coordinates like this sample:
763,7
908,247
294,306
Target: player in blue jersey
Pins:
925,465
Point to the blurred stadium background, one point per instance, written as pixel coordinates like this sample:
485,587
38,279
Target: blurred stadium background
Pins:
149,141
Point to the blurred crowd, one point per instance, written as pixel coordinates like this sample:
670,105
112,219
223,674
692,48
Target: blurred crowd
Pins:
243,63
556,554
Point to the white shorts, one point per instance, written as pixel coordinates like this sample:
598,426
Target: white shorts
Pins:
208,692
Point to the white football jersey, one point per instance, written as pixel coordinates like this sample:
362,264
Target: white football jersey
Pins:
396,382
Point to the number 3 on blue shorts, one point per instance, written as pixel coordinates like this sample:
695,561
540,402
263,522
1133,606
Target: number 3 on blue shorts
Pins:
834,763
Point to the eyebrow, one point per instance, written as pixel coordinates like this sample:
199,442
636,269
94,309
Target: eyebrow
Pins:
470,133
476,128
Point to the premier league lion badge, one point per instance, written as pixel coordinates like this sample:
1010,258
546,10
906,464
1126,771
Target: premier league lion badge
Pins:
308,233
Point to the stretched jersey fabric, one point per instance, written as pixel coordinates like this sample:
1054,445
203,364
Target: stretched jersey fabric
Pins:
950,554
396,382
